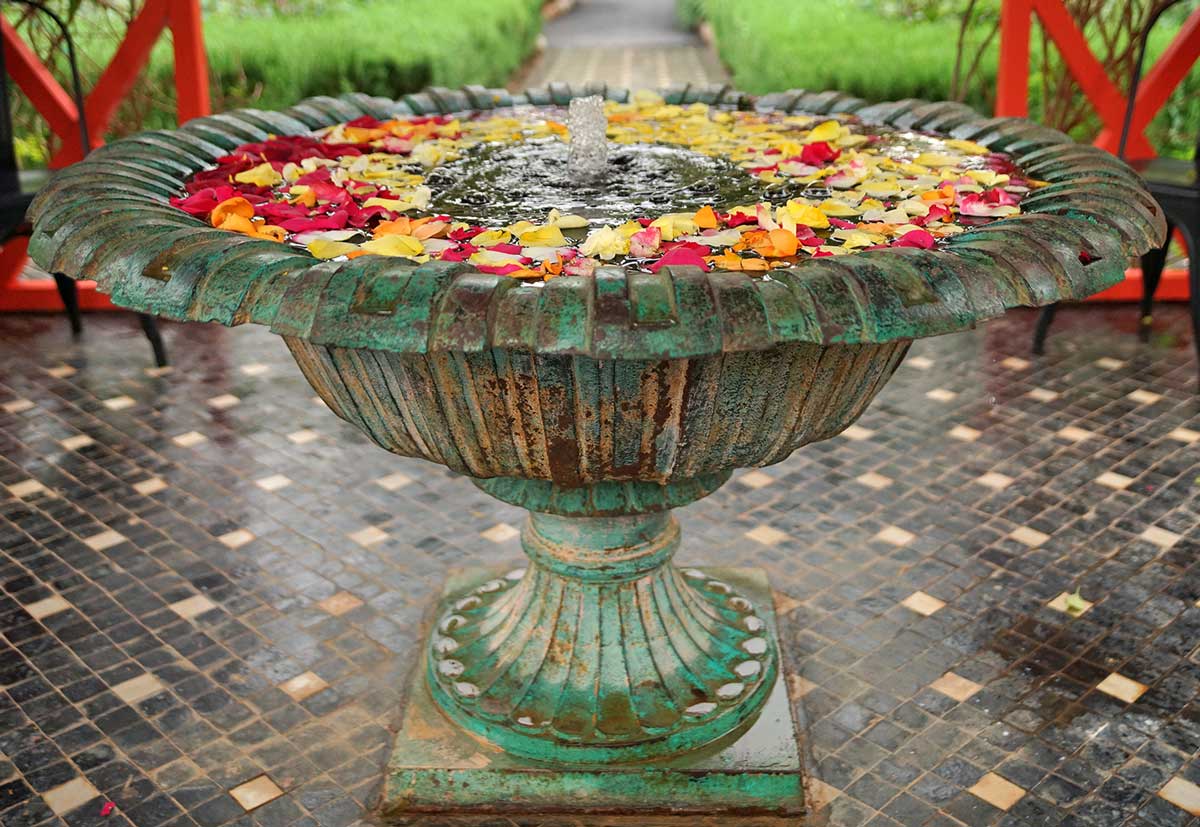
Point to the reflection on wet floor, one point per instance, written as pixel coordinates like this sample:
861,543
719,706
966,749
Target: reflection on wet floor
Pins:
211,588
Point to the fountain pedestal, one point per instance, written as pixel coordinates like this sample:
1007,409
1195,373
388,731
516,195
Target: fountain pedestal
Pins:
599,677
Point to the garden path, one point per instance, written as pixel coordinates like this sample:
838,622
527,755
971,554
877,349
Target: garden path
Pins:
633,43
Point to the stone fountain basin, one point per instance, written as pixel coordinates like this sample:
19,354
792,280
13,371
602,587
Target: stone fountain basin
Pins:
576,420
622,376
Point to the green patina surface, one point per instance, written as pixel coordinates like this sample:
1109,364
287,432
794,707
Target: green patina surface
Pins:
437,768
108,218
599,403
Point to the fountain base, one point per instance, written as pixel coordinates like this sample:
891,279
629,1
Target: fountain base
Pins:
441,774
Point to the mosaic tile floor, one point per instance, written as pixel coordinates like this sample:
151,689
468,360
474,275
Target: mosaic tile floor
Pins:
211,588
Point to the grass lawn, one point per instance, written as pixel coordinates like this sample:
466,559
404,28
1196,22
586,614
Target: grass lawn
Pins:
848,45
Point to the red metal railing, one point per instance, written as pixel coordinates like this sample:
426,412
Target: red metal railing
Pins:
182,17
1109,102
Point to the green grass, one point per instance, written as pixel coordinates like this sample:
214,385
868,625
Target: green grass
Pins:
847,45
381,47
270,61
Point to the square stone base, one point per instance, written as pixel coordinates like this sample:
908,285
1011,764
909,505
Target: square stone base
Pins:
441,775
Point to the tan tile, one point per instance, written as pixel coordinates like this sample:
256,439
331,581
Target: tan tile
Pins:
1122,688
800,685
47,606
784,603
766,535
1109,363
138,689
1059,604
190,439
224,402
820,794
193,606
755,479
27,488
369,536
1014,363
61,371
940,395
1043,394
340,603
394,482
1144,397
1075,434
997,791
104,540
1160,537
236,538
994,480
119,403
1028,536
66,797
1185,435
955,686
1183,794
500,533
303,436
876,482
255,369
895,535
1112,479
919,362
255,792
15,406
273,482
303,686
922,603
74,443
858,433
964,433
150,486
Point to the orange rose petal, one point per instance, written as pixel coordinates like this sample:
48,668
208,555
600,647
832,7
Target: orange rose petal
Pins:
238,224
784,242
706,218
236,206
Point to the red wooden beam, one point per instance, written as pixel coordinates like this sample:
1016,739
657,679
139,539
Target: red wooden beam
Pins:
35,80
1012,81
191,62
1158,84
192,100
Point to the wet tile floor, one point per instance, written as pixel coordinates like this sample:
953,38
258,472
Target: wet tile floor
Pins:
211,589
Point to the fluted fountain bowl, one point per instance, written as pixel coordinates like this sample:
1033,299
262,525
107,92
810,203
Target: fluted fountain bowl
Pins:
599,402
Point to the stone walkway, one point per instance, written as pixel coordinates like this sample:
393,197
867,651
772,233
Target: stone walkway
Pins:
632,43
211,589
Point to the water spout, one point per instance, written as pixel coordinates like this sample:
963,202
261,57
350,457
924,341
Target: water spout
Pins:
588,127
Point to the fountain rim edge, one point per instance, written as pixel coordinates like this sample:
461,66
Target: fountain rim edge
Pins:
105,219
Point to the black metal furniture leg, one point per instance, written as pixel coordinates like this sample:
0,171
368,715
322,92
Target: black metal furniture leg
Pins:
1152,267
68,291
150,328
1045,319
1192,236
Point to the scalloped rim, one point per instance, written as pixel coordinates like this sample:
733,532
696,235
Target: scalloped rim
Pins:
108,218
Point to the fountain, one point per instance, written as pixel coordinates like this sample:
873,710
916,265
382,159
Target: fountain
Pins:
598,677
588,126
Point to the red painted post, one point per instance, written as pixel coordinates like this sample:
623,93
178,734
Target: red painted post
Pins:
52,101
191,62
1012,81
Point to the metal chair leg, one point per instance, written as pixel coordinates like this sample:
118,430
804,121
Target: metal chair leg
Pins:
150,328
1045,319
68,291
1192,236
1152,267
